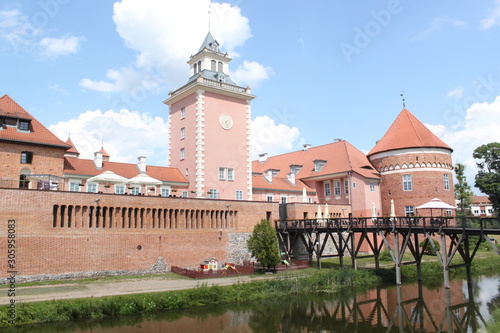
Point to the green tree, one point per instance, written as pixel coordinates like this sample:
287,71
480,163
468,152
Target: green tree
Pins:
488,176
263,244
463,192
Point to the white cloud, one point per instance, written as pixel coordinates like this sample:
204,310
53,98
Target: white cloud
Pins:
480,127
124,134
438,24
65,45
457,92
125,80
269,137
251,73
151,28
493,19
16,30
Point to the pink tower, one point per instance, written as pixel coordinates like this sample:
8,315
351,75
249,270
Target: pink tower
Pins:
209,135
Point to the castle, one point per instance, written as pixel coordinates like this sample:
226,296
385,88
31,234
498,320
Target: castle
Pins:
70,219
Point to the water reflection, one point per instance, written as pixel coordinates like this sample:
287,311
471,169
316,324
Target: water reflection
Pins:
409,308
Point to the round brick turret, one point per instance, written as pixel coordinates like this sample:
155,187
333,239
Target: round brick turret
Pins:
415,167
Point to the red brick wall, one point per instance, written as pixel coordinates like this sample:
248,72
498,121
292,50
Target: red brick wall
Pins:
42,248
428,181
45,161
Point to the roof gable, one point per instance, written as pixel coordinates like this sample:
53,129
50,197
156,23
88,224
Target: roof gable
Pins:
37,133
407,132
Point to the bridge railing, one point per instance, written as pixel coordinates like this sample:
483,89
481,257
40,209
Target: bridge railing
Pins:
427,222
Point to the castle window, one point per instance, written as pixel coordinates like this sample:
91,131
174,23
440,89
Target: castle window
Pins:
26,157
165,192
213,65
183,153
446,180
409,211
336,187
239,195
135,190
92,187
74,187
195,67
327,189
230,174
213,193
199,66
407,183
183,133
222,173
220,66
184,194
346,186
270,197
283,199
119,189
372,187
183,113
23,181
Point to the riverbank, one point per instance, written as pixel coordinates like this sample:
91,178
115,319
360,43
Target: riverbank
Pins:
159,293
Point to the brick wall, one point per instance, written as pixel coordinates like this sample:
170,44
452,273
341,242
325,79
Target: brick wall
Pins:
427,170
62,232
45,160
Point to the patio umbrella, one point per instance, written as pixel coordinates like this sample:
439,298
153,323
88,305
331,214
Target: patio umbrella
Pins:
374,211
319,214
436,204
393,210
326,214
144,180
107,177
304,194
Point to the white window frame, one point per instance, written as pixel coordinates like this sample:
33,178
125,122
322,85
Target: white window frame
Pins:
183,153
92,187
327,189
230,174
409,211
239,195
183,113
372,186
407,182
135,190
269,197
74,186
346,186
336,187
446,180
119,188
222,173
214,194
183,133
283,199
165,191
185,194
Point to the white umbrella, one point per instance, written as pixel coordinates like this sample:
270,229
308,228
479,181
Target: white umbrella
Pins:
318,214
436,204
326,214
107,177
393,210
374,211
304,194
144,180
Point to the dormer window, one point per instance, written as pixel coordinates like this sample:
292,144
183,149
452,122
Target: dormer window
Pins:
24,125
318,165
295,168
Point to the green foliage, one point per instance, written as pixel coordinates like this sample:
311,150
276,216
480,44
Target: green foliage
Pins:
385,256
263,244
488,176
427,247
494,325
463,192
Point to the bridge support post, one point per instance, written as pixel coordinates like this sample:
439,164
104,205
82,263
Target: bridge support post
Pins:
397,258
444,262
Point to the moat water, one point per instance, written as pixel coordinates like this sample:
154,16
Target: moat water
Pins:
465,307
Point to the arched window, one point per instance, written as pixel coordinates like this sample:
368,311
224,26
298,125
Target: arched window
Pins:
220,66
199,66
213,65
195,67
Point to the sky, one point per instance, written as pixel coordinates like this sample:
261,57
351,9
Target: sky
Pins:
98,71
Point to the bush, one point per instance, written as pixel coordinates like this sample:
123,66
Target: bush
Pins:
385,256
428,247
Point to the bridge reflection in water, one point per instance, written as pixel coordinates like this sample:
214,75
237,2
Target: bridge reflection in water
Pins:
401,309
366,237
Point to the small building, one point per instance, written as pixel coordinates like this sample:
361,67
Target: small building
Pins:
481,206
210,264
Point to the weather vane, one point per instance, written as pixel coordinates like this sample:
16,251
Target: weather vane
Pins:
209,8
403,98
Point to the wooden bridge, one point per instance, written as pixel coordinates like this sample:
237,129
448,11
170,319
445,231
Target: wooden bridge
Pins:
367,237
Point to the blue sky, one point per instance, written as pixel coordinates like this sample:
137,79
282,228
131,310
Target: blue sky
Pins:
100,70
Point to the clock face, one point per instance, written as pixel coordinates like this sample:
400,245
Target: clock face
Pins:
226,121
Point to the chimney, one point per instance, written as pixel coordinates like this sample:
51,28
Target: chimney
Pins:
305,147
337,140
262,157
98,160
141,164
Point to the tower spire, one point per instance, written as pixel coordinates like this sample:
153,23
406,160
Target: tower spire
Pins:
209,10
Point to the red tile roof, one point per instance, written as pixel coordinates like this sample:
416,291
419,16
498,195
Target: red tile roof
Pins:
282,184
407,132
38,134
339,156
85,167
104,154
73,149
480,199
